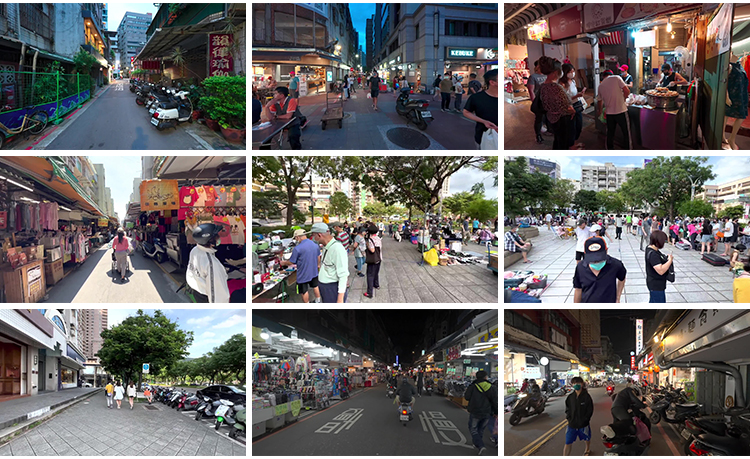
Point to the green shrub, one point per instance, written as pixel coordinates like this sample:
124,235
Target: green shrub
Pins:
225,100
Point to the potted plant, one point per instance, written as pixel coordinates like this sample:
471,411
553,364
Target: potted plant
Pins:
225,103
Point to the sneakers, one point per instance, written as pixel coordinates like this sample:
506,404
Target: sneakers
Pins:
360,275
366,295
481,450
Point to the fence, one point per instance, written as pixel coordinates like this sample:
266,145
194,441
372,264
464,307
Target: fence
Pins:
56,93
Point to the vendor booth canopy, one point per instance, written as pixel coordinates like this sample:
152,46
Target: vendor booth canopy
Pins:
211,169
518,15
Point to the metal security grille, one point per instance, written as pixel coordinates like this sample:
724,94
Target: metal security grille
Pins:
34,18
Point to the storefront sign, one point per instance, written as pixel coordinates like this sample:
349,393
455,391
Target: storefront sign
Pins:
638,335
355,360
345,420
696,324
159,195
35,280
220,62
566,24
598,16
632,362
103,222
460,52
719,34
538,31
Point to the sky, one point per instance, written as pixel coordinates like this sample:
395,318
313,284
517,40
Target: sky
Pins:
618,325
119,173
116,11
210,327
726,168
360,13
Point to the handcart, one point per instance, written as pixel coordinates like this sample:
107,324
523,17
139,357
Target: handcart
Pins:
334,112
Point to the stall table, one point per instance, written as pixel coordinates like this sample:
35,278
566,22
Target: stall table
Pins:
268,294
25,284
263,138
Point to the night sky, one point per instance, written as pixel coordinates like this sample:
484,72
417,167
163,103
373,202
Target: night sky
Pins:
405,328
619,325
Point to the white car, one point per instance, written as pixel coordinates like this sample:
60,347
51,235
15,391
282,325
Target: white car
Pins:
86,384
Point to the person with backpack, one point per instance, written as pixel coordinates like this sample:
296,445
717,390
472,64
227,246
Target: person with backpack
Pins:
373,258
283,107
436,85
483,407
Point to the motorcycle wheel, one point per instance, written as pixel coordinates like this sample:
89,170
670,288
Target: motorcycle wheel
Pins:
139,101
217,425
422,124
654,417
233,432
198,415
515,419
161,257
160,127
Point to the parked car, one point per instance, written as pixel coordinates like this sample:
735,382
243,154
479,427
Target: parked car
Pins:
86,384
222,391
255,223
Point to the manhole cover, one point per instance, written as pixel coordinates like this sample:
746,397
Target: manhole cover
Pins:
408,138
151,407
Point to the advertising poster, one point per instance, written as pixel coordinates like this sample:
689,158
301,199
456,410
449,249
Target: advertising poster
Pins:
159,195
719,36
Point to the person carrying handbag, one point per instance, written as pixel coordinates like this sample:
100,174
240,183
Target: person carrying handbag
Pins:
373,258
659,268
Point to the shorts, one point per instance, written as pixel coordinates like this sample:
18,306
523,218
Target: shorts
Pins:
374,93
706,238
572,434
579,255
303,287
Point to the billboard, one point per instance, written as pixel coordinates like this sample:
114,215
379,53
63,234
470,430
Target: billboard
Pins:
543,166
638,335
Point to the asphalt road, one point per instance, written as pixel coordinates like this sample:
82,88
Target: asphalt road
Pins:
114,122
439,428
544,435
94,282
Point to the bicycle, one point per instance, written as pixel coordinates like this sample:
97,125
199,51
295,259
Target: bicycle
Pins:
36,124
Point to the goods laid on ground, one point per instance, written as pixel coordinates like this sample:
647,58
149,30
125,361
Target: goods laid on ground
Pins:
714,259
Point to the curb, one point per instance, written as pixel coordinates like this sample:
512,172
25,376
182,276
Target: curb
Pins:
40,415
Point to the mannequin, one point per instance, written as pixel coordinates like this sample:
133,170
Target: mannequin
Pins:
737,100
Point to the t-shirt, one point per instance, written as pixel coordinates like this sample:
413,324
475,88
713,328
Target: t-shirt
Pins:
628,79
374,84
582,235
728,229
476,86
188,196
707,229
305,256
110,388
610,91
537,80
343,238
628,219
618,221
741,290
601,288
359,251
446,85
654,280
484,106
210,195
294,83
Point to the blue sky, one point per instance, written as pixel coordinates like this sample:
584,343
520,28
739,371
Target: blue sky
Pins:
116,11
120,172
360,13
210,327
726,168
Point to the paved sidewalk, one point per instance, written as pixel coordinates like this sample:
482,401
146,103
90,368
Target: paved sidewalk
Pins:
25,408
695,280
91,429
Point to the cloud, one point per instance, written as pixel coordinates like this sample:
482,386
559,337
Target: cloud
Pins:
208,334
231,322
200,320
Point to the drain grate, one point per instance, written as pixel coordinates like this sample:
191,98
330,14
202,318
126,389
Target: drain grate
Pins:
151,407
410,139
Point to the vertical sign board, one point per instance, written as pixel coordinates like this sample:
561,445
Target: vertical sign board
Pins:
638,335
632,362
220,62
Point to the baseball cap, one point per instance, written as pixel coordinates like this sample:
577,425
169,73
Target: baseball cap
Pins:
319,228
594,249
596,228
608,72
299,232
624,68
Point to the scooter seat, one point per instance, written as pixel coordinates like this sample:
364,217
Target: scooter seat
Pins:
730,445
169,105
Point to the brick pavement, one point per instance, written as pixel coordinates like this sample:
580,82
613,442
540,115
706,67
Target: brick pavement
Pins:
695,280
89,428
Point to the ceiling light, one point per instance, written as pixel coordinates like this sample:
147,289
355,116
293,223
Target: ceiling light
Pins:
669,26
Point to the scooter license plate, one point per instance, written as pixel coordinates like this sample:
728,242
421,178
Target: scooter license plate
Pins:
154,121
152,110
221,410
426,114
404,418
686,434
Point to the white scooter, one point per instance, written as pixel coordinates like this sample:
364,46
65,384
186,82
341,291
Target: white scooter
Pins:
168,114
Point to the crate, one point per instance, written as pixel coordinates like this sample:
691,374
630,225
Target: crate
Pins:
53,272
52,255
493,261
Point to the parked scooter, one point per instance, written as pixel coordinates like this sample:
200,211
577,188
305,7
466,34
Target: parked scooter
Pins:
412,109
190,403
673,413
169,114
405,413
733,423
155,250
239,427
627,437
203,407
708,444
225,414
527,406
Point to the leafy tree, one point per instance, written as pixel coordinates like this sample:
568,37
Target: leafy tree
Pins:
732,212
482,209
478,189
340,204
143,339
611,202
458,204
267,204
491,166
562,194
376,209
177,57
230,357
666,181
300,217
695,208
523,189
586,200
84,61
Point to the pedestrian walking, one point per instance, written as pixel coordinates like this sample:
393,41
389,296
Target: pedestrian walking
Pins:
568,82
601,277
359,249
645,232
119,394
359,80
482,408
475,226
351,84
540,119
458,90
583,232
381,229
293,86
618,227
556,102
373,258
548,219
420,383
147,394
706,236
109,390
334,265
121,247
446,88
482,108
466,233
612,95
579,408
475,86
131,393
629,224
305,255
658,268
436,85
374,89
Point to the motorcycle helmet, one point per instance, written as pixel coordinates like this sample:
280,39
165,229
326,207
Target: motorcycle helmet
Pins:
206,233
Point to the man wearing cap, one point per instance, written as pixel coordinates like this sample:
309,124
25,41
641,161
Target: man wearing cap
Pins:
626,77
600,278
305,255
334,265
612,94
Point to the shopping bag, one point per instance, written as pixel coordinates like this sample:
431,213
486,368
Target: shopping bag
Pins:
369,96
431,257
489,140
641,430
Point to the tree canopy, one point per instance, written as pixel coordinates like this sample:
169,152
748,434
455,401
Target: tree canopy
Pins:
523,189
696,208
732,212
340,204
586,200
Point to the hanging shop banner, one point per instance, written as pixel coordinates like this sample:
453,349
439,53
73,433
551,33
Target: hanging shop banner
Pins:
453,353
103,222
719,33
566,23
638,335
492,334
598,16
698,323
355,360
129,225
538,31
159,195
220,62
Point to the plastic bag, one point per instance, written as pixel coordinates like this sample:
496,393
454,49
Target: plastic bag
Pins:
369,96
489,140
641,430
431,257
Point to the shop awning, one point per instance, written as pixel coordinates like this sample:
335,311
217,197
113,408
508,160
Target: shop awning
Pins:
518,15
513,335
614,38
52,172
54,56
211,169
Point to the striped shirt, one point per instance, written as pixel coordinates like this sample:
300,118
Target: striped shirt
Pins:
343,238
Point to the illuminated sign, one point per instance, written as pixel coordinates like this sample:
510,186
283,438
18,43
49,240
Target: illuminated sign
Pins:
638,335
454,52
538,31
632,362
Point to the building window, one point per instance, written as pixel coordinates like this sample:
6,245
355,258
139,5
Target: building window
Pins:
260,25
284,27
67,376
36,17
304,31
55,319
320,32
516,320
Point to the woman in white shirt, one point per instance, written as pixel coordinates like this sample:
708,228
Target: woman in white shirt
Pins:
119,394
568,82
131,394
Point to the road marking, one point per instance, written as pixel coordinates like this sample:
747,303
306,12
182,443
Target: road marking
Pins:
437,420
536,444
670,443
349,417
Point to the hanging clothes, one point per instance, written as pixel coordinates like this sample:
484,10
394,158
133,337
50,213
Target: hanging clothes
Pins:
737,88
210,195
226,234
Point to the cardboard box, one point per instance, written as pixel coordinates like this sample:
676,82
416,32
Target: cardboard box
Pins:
50,242
52,255
34,252
53,272
493,260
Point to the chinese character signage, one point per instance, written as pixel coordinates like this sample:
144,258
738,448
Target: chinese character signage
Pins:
220,61
632,362
159,195
697,324
638,335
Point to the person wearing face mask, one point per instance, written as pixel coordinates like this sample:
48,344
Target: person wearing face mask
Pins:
600,278
568,82
669,77
556,102
579,408
626,77
206,275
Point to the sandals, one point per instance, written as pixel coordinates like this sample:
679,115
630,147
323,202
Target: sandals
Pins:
587,453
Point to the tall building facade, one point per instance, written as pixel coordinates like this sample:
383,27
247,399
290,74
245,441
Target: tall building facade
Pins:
607,177
322,190
131,36
91,323
728,194
422,40
369,42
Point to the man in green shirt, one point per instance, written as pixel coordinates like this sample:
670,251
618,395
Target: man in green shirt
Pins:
294,86
334,265
629,222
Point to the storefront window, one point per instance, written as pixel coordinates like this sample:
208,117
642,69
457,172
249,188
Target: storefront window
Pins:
304,31
67,376
284,27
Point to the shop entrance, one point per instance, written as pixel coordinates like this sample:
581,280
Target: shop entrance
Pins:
42,375
10,369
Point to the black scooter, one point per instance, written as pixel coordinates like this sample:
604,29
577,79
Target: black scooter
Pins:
621,439
527,406
412,109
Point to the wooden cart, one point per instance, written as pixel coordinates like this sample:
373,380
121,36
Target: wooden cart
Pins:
334,112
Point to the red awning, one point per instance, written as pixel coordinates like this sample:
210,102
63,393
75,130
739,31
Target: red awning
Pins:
614,38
